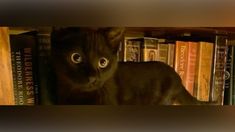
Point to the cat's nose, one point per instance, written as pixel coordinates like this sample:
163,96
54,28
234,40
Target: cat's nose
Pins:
92,79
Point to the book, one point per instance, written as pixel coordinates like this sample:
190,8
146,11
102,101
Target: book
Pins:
218,74
44,47
163,52
232,90
181,60
203,71
24,68
149,49
6,81
132,50
228,86
171,55
191,67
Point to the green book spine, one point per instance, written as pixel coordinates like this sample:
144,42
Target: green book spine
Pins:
228,76
44,46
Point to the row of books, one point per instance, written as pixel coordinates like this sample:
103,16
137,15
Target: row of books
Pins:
193,62
148,49
201,65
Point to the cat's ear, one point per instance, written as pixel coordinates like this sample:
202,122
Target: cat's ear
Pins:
59,32
56,34
115,36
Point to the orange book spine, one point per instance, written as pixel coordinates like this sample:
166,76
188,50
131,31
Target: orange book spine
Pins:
191,67
181,59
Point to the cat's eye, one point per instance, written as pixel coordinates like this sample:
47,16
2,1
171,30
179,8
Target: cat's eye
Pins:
103,62
76,58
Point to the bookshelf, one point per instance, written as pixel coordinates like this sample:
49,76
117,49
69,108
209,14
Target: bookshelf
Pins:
6,82
172,34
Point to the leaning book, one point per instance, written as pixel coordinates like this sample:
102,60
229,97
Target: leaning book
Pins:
24,68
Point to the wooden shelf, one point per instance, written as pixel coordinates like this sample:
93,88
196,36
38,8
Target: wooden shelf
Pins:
6,82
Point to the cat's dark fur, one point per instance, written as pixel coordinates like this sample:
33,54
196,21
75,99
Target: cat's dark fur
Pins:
146,83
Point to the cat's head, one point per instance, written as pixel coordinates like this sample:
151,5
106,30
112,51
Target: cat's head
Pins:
84,58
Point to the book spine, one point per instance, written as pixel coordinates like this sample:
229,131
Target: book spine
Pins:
150,51
6,81
232,72
217,89
203,71
228,76
171,55
24,63
232,90
163,52
231,43
44,47
181,59
124,50
191,67
132,51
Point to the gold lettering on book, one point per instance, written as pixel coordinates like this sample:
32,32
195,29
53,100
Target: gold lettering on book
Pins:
182,61
28,69
19,76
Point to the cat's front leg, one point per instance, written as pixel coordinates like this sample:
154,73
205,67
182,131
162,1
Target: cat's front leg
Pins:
109,92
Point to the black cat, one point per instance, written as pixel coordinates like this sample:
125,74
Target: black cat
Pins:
87,72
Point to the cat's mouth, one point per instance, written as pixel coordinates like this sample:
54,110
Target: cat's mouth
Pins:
90,87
